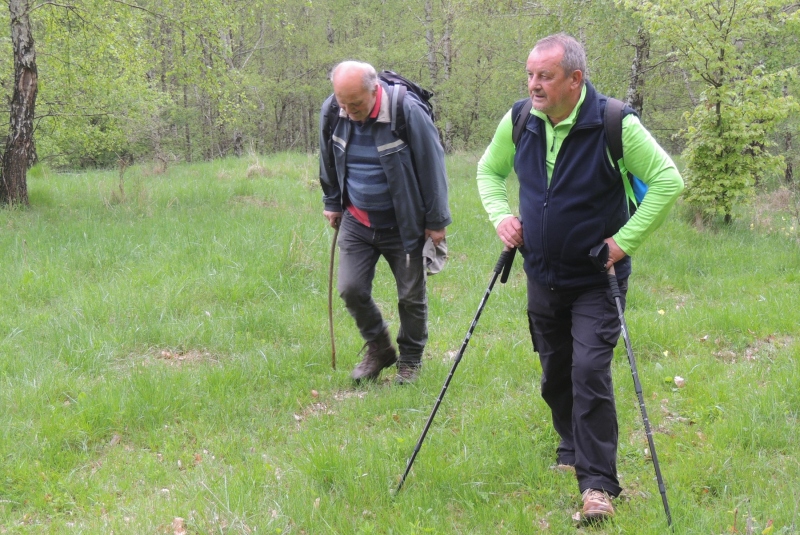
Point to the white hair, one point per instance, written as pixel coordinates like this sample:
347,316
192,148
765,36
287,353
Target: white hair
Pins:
370,75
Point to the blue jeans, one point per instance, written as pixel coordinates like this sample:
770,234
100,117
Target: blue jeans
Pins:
575,332
360,247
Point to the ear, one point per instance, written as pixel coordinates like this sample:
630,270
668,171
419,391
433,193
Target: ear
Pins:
576,78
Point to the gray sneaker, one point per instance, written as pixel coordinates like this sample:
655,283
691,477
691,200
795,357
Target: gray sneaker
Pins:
406,373
380,354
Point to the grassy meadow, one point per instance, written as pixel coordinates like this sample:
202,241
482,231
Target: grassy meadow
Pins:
165,367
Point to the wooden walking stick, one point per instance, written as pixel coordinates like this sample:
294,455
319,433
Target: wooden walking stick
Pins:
330,298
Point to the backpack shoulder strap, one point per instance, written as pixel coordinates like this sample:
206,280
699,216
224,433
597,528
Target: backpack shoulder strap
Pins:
398,115
613,126
520,119
612,123
332,115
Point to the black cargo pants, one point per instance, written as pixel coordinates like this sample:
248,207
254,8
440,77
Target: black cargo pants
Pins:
575,332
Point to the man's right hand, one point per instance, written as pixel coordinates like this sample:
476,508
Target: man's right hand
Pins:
334,218
510,232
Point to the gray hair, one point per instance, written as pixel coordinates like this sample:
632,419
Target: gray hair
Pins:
370,76
574,58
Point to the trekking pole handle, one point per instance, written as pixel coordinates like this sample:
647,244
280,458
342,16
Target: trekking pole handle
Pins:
504,263
599,256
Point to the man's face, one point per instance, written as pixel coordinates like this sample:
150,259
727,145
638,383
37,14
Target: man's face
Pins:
553,92
352,97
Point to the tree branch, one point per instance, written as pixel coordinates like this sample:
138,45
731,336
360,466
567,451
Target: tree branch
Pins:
54,4
140,8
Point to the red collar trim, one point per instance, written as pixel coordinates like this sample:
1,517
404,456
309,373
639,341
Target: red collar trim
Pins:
377,108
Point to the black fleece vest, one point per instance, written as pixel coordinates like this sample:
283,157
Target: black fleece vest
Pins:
584,204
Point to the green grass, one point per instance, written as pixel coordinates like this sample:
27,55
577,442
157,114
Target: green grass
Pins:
164,353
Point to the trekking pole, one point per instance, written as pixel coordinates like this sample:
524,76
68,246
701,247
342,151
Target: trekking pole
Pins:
330,298
503,266
599,256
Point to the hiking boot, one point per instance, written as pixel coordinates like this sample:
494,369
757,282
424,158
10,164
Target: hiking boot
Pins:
406,373
380,354
597,505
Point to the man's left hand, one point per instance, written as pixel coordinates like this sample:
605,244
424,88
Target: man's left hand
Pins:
615,254
436,235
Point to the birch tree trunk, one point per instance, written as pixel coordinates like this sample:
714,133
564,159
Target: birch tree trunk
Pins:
635,96
19,144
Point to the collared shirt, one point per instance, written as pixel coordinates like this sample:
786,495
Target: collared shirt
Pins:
555,134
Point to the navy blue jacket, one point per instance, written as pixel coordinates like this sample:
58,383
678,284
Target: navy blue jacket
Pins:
584,204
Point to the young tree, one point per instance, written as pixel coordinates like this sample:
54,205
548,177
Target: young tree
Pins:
728,141
728,133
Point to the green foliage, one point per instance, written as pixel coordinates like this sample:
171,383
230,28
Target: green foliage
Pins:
95,102
724,46
165,79
728,142
171,80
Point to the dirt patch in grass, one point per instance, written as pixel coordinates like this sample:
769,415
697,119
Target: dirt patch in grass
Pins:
317,408
174,358
755,350
187,357
767,347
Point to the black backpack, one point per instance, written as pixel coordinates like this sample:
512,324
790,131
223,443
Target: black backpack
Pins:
401,87
612,122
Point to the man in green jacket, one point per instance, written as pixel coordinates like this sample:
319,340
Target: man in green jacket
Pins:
573,198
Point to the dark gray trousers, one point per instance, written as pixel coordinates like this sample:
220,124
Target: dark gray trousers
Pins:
575,332
360,248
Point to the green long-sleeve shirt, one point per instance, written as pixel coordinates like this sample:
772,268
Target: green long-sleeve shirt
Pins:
643,157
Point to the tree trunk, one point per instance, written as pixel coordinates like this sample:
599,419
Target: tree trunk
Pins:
687,84
433,66
19,144
238,143
447,57
635,96
788,175
187,136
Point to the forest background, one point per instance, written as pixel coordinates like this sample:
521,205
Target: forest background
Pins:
169,80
